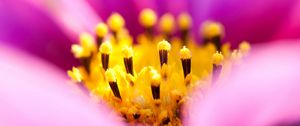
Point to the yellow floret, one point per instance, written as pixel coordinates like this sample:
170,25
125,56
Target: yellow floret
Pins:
164,45
218,58
77,50
101,29
87,42
115,22
185,53
184,21
110,75
211,29
127,52
155,80
167,23
148,18
106,48
244,47
75,75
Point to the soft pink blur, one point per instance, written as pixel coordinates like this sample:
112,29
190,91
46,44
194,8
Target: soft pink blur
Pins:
35,93
73,16
263,91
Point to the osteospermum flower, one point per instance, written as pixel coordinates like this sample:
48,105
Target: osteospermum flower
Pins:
150,81
148,90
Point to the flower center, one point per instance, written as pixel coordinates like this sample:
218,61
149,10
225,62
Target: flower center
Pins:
149,82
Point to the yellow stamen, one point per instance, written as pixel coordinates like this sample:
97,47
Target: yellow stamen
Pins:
212,29
115,22
87,41
77,50
218,58
167,23
155,85
164,45
244,47
184,21
75,74
106,48
185,53
101,30
147,18
110,75
127,52
155,80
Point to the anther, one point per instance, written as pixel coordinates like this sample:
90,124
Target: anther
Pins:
184,23
217,66
101,31
244,47
105,50
185,56
167,23
155,86
128,62
87,45
148,19
213,32
75,74
163,47
115,23
111,78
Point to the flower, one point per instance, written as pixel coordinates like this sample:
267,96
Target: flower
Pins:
100,66
150,91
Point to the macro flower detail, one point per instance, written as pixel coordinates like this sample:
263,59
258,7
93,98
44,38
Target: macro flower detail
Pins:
150,81
149,62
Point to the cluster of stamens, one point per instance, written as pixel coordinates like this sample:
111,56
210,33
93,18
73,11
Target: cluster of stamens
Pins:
149,82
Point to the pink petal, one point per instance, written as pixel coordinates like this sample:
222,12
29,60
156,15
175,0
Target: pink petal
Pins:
290,28
35,93
263,91
73,16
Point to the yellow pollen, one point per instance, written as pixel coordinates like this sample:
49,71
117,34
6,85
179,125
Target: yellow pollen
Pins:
75,74
77,50
101,29
164,45
244,47
110,75
106,48
148,18
185,53
218,58
184,21
155,80
87,41
167,23
115,22
211,29
127,52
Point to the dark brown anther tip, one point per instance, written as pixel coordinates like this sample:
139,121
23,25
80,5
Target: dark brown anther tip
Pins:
115,89
129,65
105,61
